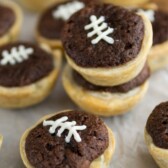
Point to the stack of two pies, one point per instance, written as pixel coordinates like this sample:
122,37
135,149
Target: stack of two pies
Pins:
106,48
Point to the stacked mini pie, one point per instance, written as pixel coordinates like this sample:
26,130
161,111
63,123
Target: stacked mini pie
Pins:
106,48
71,139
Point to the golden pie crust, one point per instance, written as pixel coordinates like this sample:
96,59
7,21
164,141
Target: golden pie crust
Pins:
38,5
54,44
126,2
20,97
160,155
100,103
120,74
13,33
103,160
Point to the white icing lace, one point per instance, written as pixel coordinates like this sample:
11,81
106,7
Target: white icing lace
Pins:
16,55
100,28
65,125
67,10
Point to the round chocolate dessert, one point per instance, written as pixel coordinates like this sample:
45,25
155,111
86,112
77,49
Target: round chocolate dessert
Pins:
7,19
160,27
53,19
118,31
157,125
123,88
23,63
44,149
159,20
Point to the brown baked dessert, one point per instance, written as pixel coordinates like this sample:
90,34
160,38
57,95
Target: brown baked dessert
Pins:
156,134
27,74
68,139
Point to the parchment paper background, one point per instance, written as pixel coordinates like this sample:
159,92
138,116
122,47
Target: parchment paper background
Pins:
131,151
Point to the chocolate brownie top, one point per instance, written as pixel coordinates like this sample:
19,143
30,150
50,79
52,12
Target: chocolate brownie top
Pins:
38,65
7,19
160,27
49,26
157,125
128,35
45,150
123,88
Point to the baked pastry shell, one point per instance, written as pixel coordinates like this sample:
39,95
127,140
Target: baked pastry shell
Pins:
20,97
53,43
100,103
160,155
120,74
13,33
158,57
38,5
104,159
126,2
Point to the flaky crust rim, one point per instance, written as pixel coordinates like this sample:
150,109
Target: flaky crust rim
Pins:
126,2
98,103
38,5
95,164
120,74
14,31
160,155
19,97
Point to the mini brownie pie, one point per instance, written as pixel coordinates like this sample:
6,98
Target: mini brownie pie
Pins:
126,2
27,73
105,101
156,134
71,139
106,44
53,19
158,56
10,21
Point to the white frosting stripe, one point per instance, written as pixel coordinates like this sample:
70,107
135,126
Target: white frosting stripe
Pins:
65,125
65,11
100,28
16,55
